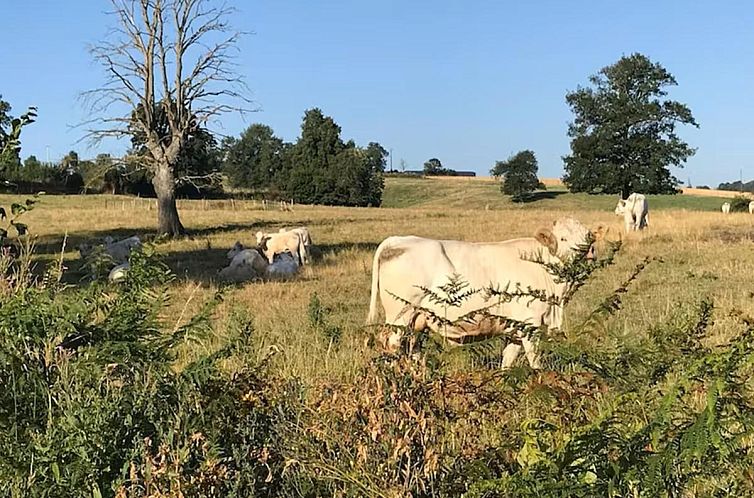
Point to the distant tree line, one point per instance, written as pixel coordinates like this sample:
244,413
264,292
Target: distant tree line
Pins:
319,168
737,186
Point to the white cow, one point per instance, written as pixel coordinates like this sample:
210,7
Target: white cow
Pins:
118,251
248,264
726,207
283,266
278,243
245,264
751,207
403,264
635,211
306,238
118,273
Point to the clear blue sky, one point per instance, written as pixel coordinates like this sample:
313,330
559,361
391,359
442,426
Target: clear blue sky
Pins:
467,82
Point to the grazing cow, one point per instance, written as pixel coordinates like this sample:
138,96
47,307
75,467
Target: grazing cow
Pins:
635,211
278,243
726,207
118,251
306,238
402,265
751,207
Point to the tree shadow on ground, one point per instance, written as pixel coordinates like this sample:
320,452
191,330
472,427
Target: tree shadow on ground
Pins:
198,265
540,195
52,244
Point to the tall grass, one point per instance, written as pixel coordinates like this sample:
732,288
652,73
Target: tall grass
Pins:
275,389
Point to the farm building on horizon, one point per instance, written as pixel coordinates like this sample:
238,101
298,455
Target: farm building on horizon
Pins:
418,172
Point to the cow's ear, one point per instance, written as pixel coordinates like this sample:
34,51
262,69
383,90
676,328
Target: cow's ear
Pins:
600,232
547,239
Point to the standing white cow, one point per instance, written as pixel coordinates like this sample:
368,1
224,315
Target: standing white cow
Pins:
751,207
635,211
726,207
277,243
402,265
306,240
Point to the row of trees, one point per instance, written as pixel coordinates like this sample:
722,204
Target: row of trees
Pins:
319,168
623,136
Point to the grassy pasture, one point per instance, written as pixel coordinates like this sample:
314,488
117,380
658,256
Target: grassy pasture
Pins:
705,254
484,193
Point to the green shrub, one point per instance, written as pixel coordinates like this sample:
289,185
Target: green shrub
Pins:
739,204
92,404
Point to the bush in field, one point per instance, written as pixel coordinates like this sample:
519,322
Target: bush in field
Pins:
92,405
740,204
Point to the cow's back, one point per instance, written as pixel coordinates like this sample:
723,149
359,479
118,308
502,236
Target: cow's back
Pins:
408,263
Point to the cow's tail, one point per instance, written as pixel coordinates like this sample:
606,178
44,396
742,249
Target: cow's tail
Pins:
372,316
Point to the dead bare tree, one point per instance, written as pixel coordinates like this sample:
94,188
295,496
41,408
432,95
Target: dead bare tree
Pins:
170,70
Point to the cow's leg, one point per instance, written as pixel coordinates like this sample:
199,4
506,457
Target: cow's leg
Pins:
532,353
297,257
510,353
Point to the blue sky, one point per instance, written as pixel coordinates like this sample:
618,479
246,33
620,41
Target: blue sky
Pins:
469,82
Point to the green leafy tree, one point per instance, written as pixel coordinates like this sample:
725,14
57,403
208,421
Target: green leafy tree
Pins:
624,131
312,156
10,134
375,162
256,159
433,167
518,174
325,170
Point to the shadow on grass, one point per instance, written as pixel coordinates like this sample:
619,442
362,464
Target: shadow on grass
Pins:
540,195
327,254
201,265
52,244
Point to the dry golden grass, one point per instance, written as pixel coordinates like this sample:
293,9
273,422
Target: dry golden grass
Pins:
703,192
552,182
704,253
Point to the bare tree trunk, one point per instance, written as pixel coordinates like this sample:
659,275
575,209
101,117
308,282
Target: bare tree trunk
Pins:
168,222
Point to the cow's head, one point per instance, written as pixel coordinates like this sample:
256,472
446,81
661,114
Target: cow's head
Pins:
260,236
237,247
567,238
85,250
621,207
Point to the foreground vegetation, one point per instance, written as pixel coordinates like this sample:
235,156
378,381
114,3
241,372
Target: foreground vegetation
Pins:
163,387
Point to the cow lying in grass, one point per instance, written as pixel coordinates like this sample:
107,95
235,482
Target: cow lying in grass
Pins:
118,251
249,264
